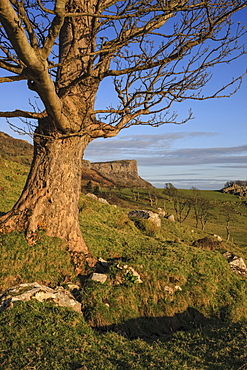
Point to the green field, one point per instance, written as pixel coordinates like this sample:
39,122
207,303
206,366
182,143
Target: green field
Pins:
189,312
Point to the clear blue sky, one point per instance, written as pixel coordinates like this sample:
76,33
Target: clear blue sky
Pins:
204,152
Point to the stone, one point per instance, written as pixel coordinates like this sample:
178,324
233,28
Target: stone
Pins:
171,290
134,273
102,200
101,278
29,291
147,215
171,218
236,263
161,212
218,237
93,196
129,269
168,289
103,262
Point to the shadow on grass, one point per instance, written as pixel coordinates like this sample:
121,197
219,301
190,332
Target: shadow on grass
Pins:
153,328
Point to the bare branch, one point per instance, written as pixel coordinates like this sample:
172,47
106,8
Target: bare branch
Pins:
21,113
154,50
55,27
11,78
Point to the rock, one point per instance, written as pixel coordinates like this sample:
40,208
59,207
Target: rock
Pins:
171,218
134,273
103,262
236,263
129,269
218,237
168,289
29,291
101,278
147,215
102,200
171,290
72,287
93,196
161,212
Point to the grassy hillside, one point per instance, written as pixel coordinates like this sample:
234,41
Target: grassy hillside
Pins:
189,312
15,150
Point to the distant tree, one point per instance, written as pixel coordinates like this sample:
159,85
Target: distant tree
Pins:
153,197
89,187
229,214
201,207
170,190
182,206
241,183
96,190
204,214
196,203
156,52
229,184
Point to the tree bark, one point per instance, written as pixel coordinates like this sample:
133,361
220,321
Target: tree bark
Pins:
50,197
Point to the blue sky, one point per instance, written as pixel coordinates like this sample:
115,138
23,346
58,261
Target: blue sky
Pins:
205,152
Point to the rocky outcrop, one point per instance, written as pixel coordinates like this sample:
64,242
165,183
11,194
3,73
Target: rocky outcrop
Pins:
236,189
101,200
115,173
29,291
148,215
236,263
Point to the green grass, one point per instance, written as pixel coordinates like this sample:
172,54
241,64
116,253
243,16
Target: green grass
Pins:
200,325
40,336
12,179
167,259
47,261
140,198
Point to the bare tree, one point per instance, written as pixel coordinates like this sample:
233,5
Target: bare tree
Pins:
182,206
157,52
196,203
229,214
170,190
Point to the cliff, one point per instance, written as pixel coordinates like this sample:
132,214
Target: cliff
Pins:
114,173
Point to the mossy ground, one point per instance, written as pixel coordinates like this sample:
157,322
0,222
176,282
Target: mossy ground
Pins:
200,325
40,336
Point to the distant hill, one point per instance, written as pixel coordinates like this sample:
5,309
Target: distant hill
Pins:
15,150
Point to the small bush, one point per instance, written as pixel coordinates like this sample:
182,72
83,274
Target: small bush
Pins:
146,226
208,243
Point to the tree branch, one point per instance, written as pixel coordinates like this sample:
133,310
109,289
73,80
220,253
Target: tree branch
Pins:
21,113
55,27
11,78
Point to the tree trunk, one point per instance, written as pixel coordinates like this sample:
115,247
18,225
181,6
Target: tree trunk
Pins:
50,197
